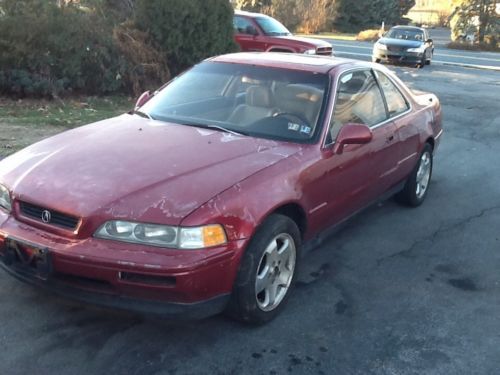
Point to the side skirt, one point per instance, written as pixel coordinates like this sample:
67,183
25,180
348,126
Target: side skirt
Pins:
327,233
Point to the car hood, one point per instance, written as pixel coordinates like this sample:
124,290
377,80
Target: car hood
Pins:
134,168
400,43
305,42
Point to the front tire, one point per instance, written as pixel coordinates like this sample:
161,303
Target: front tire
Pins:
267,271
417,184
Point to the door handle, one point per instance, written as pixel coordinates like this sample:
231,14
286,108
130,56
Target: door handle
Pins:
390,138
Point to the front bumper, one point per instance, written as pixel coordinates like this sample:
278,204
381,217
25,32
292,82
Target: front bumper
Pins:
172,283
402,57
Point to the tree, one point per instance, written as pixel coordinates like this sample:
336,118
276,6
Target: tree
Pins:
405,6
363,14
253,5
479,17
187,30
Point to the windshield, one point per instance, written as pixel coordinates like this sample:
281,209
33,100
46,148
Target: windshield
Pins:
272,27
405,34
263,102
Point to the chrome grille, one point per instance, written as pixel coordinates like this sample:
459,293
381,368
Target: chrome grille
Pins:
396,49
56,218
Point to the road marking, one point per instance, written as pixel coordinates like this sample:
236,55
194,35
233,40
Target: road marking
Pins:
353,53
437,53
351,46
489,67
467,57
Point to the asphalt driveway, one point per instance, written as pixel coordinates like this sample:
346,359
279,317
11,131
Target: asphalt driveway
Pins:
396,291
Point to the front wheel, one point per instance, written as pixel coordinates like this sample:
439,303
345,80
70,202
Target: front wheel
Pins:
267,271
417,184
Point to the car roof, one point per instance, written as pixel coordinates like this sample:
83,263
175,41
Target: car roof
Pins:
413,28
309,63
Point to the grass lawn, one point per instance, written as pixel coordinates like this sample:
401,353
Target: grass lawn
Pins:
23,122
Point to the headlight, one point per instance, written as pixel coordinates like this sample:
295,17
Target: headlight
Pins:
420,49
310,52
163,235
380,46
5,201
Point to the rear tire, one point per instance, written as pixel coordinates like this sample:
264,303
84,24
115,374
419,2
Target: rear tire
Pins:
267,272
417,184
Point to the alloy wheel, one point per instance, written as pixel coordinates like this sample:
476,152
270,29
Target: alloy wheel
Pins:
423,174
275,272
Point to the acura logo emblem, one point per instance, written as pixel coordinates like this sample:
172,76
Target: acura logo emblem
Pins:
46,216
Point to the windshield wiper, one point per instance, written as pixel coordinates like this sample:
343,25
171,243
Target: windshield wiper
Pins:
204,126
143,114
217,127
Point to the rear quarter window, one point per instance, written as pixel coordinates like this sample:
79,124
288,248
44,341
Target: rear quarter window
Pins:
396,102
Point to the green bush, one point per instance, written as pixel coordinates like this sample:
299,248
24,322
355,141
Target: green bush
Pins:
187,30
46,51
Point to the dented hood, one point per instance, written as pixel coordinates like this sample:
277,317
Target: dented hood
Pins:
134,168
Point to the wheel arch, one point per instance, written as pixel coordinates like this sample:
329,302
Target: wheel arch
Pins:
431,142
280,49
295,212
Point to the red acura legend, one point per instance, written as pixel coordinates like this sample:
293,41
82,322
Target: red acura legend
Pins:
204,197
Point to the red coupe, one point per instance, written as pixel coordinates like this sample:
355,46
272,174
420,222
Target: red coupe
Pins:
204,197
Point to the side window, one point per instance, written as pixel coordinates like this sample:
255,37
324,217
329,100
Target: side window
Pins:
241,24
358,101
396,102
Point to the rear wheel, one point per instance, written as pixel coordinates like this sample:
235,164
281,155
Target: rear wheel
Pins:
417,184
267,271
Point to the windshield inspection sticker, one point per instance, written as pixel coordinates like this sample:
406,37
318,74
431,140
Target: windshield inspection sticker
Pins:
305,129
294,127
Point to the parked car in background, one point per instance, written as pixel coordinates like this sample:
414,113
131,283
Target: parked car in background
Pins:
204,198
404,44
255,32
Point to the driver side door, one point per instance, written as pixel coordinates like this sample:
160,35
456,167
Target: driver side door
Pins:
349,181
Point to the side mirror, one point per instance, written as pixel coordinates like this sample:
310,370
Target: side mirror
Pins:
145,96
352,134
250,30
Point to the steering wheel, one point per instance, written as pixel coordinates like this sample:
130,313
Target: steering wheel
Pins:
292,116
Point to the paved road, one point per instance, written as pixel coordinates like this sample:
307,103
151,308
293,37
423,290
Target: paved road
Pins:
363,51
397,291
441,36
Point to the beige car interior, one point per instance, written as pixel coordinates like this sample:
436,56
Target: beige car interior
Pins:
295,99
